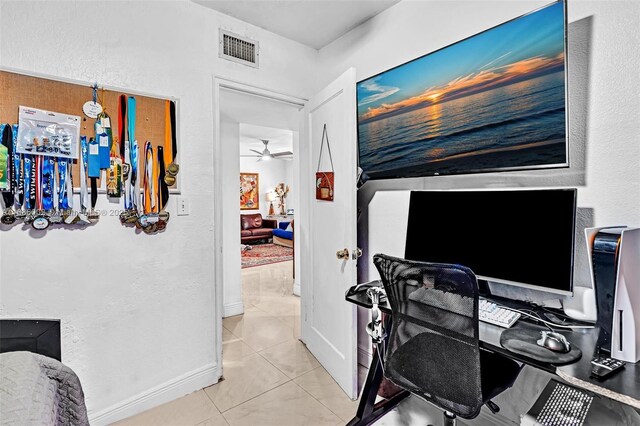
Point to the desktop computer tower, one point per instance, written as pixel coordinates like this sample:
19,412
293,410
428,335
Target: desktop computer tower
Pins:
615,272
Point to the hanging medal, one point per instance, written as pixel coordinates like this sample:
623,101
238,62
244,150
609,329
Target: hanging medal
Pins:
29,189
40,219
163,192
8,216
48,168
114,169
94,162
84,192
18,174
63,197
170,143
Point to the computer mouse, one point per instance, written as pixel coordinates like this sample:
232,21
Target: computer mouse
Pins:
553,341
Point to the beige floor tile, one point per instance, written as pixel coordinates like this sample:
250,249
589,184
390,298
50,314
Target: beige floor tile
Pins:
233,348
188,411
322,387
286,405
259,330
292,358
217,420
244,379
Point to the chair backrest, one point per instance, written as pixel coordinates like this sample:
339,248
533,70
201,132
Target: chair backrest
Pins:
433,348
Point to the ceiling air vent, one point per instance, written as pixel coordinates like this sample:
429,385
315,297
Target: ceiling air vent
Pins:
238,49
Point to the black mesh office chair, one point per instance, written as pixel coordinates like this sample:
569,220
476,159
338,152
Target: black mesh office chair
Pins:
433,348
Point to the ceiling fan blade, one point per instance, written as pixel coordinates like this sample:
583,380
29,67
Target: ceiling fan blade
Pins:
280,154
257,152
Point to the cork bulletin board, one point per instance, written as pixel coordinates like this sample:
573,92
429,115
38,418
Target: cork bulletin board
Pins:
68,98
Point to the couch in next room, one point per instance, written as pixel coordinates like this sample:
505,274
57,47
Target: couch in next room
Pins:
254,228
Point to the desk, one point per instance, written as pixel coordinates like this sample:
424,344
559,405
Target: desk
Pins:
623,387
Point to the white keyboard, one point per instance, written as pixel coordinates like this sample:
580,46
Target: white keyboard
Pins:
493,314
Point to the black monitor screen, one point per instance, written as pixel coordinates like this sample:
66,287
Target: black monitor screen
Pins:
522,237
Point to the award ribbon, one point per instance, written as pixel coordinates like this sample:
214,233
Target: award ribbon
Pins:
170,143
128,205
63,200
135,187
8,216
7,141
29,195
163,192
122,110
48,179
84,158
38,182
17,169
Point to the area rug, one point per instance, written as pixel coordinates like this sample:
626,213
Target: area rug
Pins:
263,254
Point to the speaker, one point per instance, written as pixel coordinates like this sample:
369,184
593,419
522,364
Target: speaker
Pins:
615,272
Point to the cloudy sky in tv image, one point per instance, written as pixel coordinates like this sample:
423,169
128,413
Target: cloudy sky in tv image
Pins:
519,50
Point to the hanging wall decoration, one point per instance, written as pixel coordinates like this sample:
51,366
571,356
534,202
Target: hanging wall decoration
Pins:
325,180
249,195
52,159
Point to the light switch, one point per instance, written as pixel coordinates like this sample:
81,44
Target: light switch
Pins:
183,206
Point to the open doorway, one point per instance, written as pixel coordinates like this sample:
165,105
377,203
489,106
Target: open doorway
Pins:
261,282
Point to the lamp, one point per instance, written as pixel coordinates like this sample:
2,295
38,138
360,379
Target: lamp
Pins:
271,197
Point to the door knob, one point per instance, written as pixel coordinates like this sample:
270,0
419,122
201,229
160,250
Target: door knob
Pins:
343,254
356,253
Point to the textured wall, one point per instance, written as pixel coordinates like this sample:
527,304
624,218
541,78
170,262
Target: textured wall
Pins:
137,311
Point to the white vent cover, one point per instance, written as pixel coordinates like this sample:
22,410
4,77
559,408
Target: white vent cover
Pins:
238,49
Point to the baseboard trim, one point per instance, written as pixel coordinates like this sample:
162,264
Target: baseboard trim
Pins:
158,395
232,309
365,356
296,288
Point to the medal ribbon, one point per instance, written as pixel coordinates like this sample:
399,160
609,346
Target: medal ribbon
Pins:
122,110
7,141
170,141
63,201
133,153
38,182
131,121
135,186
17,169
84,159
163,193
127,184
29,193
69,192
149,201
48,180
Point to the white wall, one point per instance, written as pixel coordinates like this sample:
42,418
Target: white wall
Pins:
137,311
604,104
231,280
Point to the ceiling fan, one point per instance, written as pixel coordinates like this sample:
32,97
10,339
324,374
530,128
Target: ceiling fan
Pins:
266,155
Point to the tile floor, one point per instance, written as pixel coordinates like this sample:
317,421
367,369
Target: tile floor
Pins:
270,378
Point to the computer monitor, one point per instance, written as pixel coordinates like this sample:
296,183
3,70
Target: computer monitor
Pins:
519,237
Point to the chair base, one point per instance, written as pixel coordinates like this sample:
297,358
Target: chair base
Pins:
449,419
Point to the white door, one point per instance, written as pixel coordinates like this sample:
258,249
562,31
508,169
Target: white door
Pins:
328,321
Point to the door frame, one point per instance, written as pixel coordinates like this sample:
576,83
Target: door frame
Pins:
218,243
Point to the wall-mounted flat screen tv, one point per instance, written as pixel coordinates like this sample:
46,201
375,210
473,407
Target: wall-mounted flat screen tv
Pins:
494,101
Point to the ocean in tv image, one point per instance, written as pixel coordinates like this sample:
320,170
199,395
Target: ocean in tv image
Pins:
495,100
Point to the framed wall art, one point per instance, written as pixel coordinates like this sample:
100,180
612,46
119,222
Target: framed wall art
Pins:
249,191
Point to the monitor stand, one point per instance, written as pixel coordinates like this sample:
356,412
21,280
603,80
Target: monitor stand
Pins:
483,288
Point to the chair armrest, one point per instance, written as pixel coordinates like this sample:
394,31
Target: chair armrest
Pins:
269,223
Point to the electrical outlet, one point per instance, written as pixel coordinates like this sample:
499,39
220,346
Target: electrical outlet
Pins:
183,206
